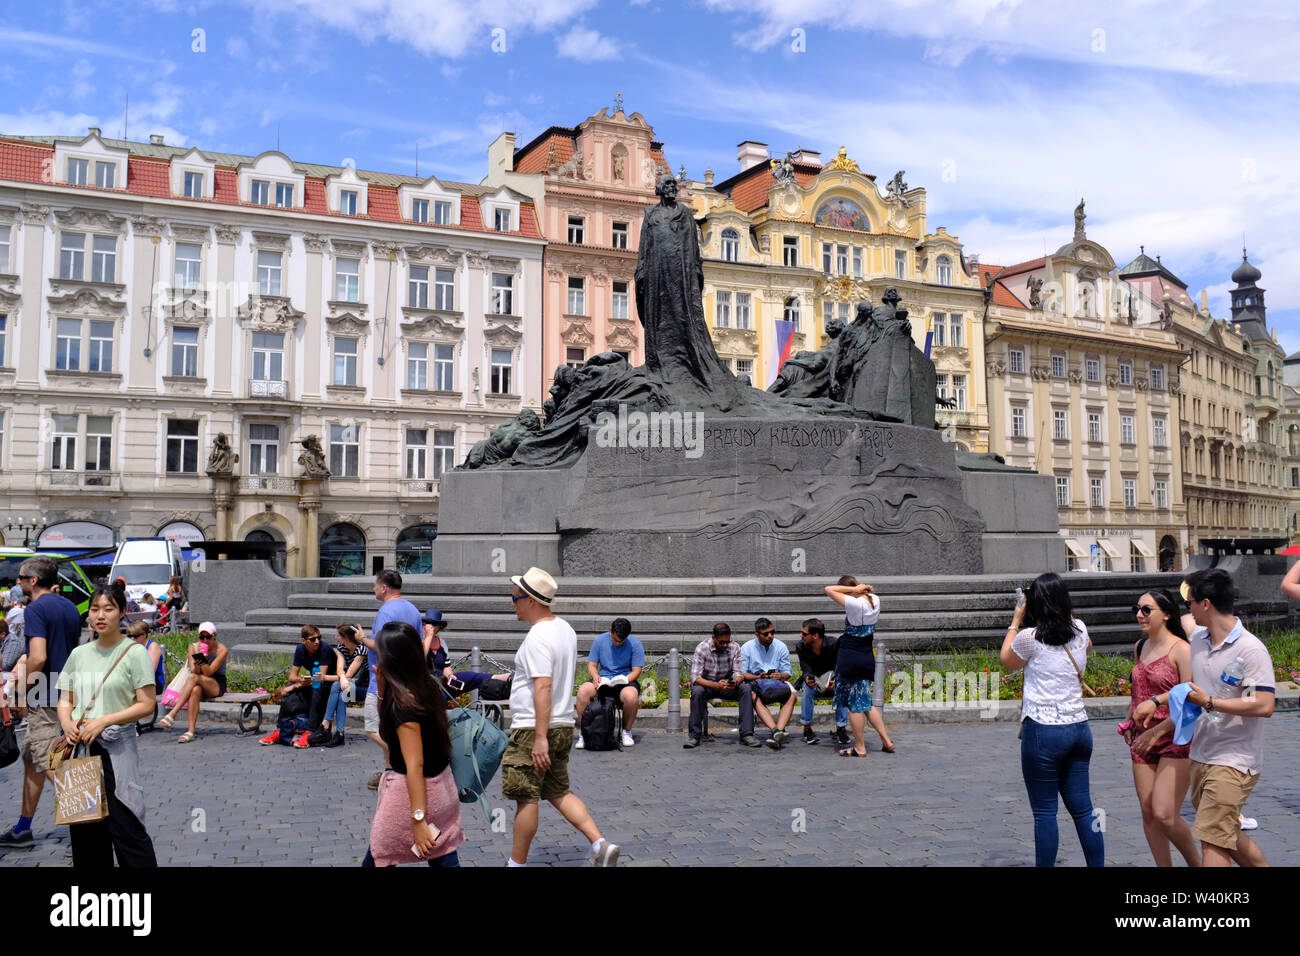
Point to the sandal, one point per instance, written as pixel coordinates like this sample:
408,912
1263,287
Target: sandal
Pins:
185,737
888,750
850,752
166,722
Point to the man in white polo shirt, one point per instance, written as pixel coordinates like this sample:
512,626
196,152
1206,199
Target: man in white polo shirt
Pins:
1227,754
536,764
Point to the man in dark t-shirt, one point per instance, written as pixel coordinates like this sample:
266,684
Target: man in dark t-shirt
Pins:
311,652
52,628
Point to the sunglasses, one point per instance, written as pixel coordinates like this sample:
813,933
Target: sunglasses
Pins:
1143,609
518,597
766,633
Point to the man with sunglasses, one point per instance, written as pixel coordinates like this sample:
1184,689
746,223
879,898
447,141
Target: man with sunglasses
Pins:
312,653
766,662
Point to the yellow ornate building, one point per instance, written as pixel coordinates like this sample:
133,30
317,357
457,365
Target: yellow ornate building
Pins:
802,241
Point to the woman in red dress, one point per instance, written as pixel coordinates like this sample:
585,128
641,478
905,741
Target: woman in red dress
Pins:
1161,768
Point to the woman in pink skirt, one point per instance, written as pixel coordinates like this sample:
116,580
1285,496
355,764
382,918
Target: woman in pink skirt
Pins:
418,816
1161,769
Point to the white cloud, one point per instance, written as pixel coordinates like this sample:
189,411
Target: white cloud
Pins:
586,45
23,39
1225,41
237,48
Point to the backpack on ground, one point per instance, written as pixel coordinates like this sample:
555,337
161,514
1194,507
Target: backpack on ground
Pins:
599,725
291,727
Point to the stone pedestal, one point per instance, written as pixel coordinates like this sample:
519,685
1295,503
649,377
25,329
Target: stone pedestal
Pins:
308,558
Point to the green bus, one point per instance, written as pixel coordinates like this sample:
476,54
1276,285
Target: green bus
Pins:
73,583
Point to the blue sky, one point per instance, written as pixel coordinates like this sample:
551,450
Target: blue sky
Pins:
1176,120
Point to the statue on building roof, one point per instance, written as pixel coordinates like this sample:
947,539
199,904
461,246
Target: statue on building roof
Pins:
783,169
897,187
1079,217
843,163
1035,287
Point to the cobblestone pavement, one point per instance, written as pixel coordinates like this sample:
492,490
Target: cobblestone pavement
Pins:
951,795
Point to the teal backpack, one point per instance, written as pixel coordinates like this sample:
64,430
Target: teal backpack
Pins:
477,746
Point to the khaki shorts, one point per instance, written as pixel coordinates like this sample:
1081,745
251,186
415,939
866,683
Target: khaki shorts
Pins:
523,782
372,713
1219,793
43,729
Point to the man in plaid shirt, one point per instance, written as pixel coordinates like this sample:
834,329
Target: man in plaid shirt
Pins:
716,673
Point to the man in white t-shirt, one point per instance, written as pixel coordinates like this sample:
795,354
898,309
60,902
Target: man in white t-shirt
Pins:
536,764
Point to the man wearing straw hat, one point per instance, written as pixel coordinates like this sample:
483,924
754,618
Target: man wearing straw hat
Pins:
536,765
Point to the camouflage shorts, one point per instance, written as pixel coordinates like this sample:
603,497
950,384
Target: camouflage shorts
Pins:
521,781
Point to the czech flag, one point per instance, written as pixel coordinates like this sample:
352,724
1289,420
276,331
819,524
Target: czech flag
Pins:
781,347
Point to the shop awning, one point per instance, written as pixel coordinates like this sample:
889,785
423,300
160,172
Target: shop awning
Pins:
1141,548
1078,550
1108,546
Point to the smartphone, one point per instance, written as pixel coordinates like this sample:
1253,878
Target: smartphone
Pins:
1020,597
456,684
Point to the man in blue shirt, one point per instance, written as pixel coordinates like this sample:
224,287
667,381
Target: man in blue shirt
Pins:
52,628
392,607
615,664
766,661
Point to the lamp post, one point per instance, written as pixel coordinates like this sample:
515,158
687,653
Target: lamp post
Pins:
27,525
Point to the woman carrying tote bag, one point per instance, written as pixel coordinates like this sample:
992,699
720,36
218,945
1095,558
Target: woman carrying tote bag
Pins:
107,685
1056,742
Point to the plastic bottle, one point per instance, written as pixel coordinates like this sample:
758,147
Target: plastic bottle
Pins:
1229,686
315,676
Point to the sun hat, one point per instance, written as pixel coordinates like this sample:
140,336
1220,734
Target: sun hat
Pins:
207,627
537,584
434,616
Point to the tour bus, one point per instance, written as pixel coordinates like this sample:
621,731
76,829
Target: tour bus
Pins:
148,564
73,583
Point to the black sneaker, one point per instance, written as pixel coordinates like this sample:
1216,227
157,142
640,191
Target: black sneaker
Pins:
691,743
842,736
17,841
319,737
810,736
336,741
749,740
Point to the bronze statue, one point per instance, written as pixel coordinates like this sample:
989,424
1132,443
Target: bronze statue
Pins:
312,458
879,369
222,458
807,374
503,442
897,187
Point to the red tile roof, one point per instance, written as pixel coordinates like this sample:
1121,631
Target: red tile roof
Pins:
148,179
471,214
225,186
1001,294
24,163
316,201
1020,267
535,157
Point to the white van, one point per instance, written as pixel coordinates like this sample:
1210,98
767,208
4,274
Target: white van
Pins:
148,564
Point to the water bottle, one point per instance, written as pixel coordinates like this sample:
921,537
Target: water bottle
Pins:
315,676
1229,686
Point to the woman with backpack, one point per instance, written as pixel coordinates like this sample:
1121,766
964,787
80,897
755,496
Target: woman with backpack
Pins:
418,816
1056,742
1162,659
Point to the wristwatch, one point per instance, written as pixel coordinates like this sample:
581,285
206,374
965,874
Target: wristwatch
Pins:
1155,699
1209,704
418,816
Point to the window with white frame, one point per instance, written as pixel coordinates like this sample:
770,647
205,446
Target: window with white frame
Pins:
1019,428
259,192
1092,369
193,186
1158,438
618,238
78,172
72,255
189,263
347,280
4,328
268,356
790,251
444,289
576,228
959,391
1062,491
263,449
955,337
792,311
419,212
182,454
284,195
1127,434
105,175
941,386
944,266
1060,424
185,353
345,361
1126,373
1162,493
1016,360
828,252
63,451
67,345
345,451
1058,366
99,443
1130,493
503,361
575,357
742,310
1157,378
4,249
1094,426
722,310
619,299
730,245
577,295
417,365
745,367
348,202
501,220
1096,492
900,264
442,213
857,262
101,347
828,312
940,330
842,260
503,293
444,368
103,259
417,287
444,451
842,311
269,270
417,440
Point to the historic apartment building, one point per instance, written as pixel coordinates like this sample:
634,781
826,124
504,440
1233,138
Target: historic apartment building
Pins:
153,298
797,241
1084,379
591,184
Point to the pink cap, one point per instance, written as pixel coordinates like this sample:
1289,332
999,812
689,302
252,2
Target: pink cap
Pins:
207,627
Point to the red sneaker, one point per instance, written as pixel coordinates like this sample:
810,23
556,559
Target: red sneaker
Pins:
301,741
272,738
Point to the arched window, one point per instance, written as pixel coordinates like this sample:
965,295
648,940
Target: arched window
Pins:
730,245
792,311
342,551
944,265
415,549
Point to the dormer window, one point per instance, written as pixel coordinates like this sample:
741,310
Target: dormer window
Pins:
77,171
501,220
193,185
284,195
348,202
442,214
260,193
730,245
105,175
419,210
944,266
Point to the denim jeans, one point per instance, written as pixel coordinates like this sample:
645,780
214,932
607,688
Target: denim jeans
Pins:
1054,760
809,701
336,709
438,862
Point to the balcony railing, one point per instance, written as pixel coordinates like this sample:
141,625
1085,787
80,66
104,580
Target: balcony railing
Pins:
268,483
419,486
261,388
82,479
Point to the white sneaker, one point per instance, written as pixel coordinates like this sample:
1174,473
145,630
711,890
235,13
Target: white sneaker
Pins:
577,744
1249,823
627,740
608,855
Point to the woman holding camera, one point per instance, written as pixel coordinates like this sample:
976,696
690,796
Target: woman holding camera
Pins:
1056,742
207,680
